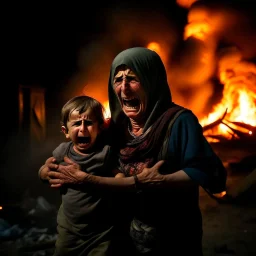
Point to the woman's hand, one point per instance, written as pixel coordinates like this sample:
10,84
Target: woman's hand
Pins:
67,174
150,177
50,165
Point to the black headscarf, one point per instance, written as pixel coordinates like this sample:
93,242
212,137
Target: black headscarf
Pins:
149,68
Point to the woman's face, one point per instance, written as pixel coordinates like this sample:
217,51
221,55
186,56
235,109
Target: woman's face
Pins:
131,94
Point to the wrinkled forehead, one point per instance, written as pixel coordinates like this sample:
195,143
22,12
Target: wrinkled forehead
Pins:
123,70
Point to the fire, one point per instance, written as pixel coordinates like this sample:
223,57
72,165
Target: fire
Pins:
107,114
185,3
220,195
238,101
160,50
235,114
154,46
199,29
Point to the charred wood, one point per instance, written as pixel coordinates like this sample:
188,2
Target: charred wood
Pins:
215,123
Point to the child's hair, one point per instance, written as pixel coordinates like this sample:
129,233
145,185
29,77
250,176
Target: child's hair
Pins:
81,104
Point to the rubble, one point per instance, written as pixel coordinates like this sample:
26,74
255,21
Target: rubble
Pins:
33,232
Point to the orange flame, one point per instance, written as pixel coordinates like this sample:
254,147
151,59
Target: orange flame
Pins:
158,49
107,114
239,98
185,3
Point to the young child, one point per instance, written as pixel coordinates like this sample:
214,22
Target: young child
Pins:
85,217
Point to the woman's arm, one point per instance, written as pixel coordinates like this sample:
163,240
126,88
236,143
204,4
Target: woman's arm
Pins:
72,174
151,177
192,160
195,155
197,161
148,178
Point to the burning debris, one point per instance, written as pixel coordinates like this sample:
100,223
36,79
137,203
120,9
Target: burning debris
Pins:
235,130
234,117
239,100
201,66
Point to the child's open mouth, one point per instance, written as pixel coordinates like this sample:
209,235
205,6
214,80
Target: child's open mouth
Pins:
83,140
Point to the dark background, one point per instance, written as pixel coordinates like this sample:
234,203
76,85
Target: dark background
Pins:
62,48
41,48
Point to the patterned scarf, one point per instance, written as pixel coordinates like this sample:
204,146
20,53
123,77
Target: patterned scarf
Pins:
143,150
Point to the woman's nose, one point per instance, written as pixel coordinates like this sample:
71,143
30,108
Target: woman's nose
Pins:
125,84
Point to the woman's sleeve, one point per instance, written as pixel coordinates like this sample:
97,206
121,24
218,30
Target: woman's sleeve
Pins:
195,155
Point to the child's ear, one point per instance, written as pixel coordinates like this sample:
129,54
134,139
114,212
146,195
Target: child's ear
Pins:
64,130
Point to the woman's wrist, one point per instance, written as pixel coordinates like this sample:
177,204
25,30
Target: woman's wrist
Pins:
136,183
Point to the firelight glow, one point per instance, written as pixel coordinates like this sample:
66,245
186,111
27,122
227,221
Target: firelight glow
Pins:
107,110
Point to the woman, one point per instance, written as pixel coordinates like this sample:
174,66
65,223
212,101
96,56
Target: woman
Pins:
165,210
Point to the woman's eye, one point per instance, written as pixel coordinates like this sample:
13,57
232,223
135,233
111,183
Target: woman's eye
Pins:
133,80
129,80
118,81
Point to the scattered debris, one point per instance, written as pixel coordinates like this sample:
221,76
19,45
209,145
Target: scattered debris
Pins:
34,234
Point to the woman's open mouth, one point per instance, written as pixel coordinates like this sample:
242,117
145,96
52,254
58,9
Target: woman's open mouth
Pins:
131,103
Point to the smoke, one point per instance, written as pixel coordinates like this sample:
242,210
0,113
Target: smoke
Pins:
235,71
124,28
211,27
191,61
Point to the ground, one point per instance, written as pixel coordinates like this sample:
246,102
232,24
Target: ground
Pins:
230,224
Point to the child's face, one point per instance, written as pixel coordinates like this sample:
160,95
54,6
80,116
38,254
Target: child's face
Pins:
82,130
